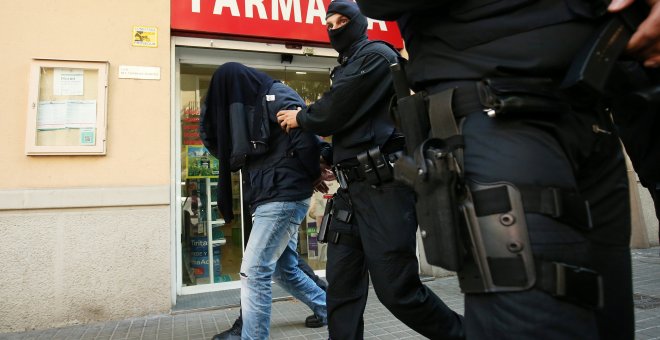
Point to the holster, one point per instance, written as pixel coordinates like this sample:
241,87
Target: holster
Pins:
501,254
336,219
432,170
325,222
340,227
479,230
437,206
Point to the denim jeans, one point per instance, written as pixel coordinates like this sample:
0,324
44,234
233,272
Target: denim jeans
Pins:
271,255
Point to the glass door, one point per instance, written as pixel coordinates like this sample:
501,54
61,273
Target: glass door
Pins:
211,250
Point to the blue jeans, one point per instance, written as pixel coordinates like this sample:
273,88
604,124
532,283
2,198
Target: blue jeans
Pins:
271,255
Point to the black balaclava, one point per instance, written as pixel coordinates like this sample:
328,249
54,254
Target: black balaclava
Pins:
355,30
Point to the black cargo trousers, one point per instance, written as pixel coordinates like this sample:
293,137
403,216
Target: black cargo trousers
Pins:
573,150
379,242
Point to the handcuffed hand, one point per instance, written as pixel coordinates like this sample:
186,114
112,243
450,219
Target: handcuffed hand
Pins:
645,43
320,186
326,171
287,119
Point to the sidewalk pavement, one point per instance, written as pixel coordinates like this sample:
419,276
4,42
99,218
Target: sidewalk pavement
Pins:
288,316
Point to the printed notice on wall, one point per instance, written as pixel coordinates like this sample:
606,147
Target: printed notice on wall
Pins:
51,115
68,82
139,72
66,114
81,114
145,36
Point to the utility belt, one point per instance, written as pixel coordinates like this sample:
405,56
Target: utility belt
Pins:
479,230
509,97
373,166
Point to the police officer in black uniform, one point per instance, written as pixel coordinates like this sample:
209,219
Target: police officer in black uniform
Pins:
477,44
374,225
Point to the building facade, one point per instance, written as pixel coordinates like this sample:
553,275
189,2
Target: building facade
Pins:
106,194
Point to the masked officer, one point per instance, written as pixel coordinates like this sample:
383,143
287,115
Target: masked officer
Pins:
468,54
374,225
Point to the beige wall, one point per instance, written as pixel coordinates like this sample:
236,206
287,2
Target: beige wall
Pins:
138,110
63,267
85,238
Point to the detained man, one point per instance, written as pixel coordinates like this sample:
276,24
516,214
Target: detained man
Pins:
239,127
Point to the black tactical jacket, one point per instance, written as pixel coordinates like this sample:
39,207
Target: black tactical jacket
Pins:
355,109
472,39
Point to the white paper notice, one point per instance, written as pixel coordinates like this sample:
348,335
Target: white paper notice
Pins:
81,114
66,114
51,115
68,82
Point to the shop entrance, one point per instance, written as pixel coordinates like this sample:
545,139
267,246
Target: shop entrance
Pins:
210,251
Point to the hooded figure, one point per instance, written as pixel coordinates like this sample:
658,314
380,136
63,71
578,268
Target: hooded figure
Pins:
235,90
354,31
235,126
239,127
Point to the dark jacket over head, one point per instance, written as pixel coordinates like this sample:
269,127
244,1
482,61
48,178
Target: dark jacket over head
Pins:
239,127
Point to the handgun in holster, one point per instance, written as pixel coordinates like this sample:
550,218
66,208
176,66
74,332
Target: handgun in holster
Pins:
430,167
325,221
337,218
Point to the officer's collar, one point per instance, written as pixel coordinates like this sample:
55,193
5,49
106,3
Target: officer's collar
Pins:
343,57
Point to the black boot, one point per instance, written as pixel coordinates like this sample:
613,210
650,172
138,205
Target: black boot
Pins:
234,333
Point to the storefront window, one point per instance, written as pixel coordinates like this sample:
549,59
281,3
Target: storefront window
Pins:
212,249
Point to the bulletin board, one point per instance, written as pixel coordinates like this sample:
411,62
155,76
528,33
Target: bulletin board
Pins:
67,108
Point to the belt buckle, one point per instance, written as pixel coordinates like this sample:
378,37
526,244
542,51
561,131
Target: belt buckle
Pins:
557,200
578,284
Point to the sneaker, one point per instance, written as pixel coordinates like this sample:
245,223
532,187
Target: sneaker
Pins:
234,333
314,321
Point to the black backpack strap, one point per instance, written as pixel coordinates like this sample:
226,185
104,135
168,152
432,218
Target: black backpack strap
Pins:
377,47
